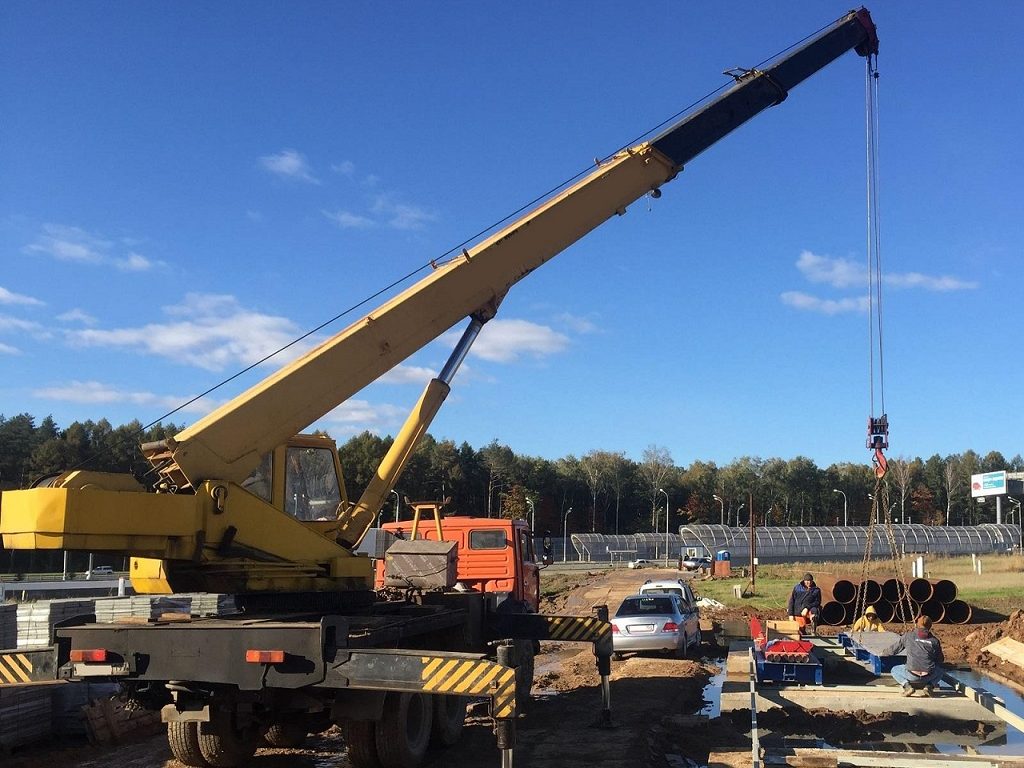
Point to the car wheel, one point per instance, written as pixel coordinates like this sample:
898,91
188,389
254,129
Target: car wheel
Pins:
618,655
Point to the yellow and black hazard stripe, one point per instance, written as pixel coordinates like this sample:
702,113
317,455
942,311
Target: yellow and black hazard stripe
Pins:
577,628
15,668
472,677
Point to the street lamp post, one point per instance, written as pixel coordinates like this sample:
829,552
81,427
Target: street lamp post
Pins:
738,509
722,505
876,514
662,490
533,514
565,535
397,501
836,490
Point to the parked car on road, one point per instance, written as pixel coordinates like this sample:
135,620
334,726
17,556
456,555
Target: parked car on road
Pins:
696,563
656,621
639,563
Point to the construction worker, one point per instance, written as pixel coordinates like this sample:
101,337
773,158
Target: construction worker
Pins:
869,622
805,602
924,658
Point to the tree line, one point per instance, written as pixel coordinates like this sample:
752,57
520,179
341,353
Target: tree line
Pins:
606,491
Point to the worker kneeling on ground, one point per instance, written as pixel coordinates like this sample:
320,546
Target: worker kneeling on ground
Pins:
924,658
805,602
869,622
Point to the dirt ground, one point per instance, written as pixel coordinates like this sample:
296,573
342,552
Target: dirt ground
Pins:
656,705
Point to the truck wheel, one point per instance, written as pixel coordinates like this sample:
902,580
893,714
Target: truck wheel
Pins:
225,745
362,743
449,718
403,733
285,734
183,739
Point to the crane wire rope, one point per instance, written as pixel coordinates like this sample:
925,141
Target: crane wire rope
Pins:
877,427
452,252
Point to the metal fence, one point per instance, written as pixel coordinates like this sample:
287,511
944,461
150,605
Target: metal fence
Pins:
781,544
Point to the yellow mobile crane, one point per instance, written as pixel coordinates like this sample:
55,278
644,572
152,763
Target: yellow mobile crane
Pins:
313,636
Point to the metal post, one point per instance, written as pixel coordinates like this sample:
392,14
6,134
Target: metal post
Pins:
533,514
662,490
845,520
397,500
722,511
565,535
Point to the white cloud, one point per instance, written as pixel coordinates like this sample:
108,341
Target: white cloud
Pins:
839,273
70,244
217,332
76,245
844,273
505,341
362,414
289,164
577,324
408,374
9,297
810,303
7,349
94,392
345,168
938,284
8,323
77,316
348,220
134,263
401,215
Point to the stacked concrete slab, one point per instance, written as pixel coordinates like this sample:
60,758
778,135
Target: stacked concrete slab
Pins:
25,714
8,626
36,620
151,607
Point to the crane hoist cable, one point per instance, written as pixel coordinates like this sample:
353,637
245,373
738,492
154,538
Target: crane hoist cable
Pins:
878,425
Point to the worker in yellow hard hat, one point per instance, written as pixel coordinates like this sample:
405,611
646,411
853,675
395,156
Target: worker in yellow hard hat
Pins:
869,622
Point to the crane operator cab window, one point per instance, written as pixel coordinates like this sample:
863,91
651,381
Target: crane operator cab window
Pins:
259,482
311,484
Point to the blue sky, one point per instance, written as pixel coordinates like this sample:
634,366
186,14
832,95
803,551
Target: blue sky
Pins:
185,187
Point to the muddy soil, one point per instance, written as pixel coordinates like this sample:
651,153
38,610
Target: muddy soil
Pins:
656,705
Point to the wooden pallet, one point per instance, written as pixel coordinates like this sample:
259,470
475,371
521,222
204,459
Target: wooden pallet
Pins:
113,720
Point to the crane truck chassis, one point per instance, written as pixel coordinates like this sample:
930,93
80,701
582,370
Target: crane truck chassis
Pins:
243,506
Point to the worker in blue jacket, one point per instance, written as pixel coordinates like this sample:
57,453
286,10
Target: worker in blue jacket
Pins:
923,650
805,601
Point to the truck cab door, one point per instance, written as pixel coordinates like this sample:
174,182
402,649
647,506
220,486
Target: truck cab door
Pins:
529,570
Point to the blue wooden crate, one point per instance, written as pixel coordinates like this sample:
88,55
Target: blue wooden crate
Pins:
877,664
787,672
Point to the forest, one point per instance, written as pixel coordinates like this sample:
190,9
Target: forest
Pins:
607,491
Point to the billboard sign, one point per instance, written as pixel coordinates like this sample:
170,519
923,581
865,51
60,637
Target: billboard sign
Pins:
988,484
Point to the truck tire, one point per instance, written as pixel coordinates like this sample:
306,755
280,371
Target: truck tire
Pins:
183,739
449,719
403,733
362,743
223,744
289,733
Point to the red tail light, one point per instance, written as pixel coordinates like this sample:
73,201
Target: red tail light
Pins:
670,626
264,657
92,654
615,630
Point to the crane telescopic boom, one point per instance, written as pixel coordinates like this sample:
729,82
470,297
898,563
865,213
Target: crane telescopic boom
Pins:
200,534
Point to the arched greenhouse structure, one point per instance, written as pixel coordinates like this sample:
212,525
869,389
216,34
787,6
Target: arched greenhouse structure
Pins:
781,544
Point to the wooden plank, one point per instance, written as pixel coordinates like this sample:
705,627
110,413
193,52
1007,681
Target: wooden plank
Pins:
1007,649
729,759
827,759
890,760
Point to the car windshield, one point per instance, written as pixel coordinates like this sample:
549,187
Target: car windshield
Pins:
645,605
666,590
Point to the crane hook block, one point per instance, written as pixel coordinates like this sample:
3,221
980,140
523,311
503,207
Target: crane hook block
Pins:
878,441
